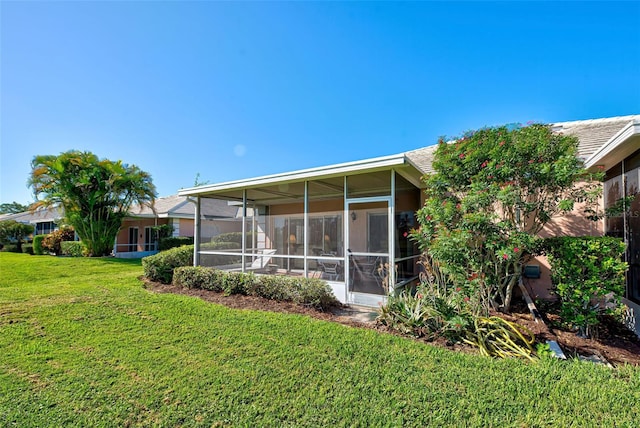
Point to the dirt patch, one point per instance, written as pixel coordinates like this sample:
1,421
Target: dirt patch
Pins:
615,343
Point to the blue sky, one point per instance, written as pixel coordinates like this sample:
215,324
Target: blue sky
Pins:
234,90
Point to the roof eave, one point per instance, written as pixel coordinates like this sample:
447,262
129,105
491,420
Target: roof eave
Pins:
631,130
319,172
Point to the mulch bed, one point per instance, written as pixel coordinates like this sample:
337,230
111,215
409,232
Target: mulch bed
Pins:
614,343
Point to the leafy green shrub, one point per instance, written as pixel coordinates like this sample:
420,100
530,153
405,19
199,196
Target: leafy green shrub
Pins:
174,241
313,292
10,248
229,237
37,245
299,290
237,283
159,267
51,242
273,287
72,248
587,274
234,237
220,246
27,248
198,277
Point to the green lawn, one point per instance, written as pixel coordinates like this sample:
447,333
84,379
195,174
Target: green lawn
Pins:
83,344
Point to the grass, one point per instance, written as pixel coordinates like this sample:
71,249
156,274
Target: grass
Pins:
82,343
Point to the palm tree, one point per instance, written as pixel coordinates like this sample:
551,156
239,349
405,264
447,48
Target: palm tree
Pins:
96,194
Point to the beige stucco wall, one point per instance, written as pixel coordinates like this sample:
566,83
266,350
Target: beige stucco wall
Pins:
123,235
573,223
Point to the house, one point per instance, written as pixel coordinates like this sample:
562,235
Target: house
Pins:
137,238
44,220
348,223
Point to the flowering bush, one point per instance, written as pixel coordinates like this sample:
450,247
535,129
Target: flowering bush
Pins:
492,192
52,241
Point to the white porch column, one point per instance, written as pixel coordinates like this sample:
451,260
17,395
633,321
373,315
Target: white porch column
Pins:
196,233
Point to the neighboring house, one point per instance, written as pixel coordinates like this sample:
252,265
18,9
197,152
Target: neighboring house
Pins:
44,220
138,239
348,222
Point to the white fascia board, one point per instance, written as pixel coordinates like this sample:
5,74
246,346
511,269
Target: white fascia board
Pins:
311,173
632,129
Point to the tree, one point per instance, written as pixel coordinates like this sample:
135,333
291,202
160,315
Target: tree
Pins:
13,232
492,193
13,208
96,194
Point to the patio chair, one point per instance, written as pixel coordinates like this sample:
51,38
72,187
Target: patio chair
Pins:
330,268
261,261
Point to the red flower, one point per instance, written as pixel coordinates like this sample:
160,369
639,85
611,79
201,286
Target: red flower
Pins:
531,161
501,143
504,256
458,289
484,164
466,299
405,234
516,249
419,296
461,156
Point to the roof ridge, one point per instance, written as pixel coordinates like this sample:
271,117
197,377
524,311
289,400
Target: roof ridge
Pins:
597,120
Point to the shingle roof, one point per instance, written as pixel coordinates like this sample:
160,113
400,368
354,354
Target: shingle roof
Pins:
38,216
592,134
423,158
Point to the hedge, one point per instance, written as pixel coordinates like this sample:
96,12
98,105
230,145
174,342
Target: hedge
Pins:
174,241
37,245
27,249
159,267
305,291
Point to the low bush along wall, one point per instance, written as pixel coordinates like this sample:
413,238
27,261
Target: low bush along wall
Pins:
176,266
159,267
305,291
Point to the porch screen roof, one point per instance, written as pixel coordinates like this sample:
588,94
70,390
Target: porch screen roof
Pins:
401,163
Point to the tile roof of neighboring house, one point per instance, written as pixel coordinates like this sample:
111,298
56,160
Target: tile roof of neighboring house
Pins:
592,134
180,207
38,216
